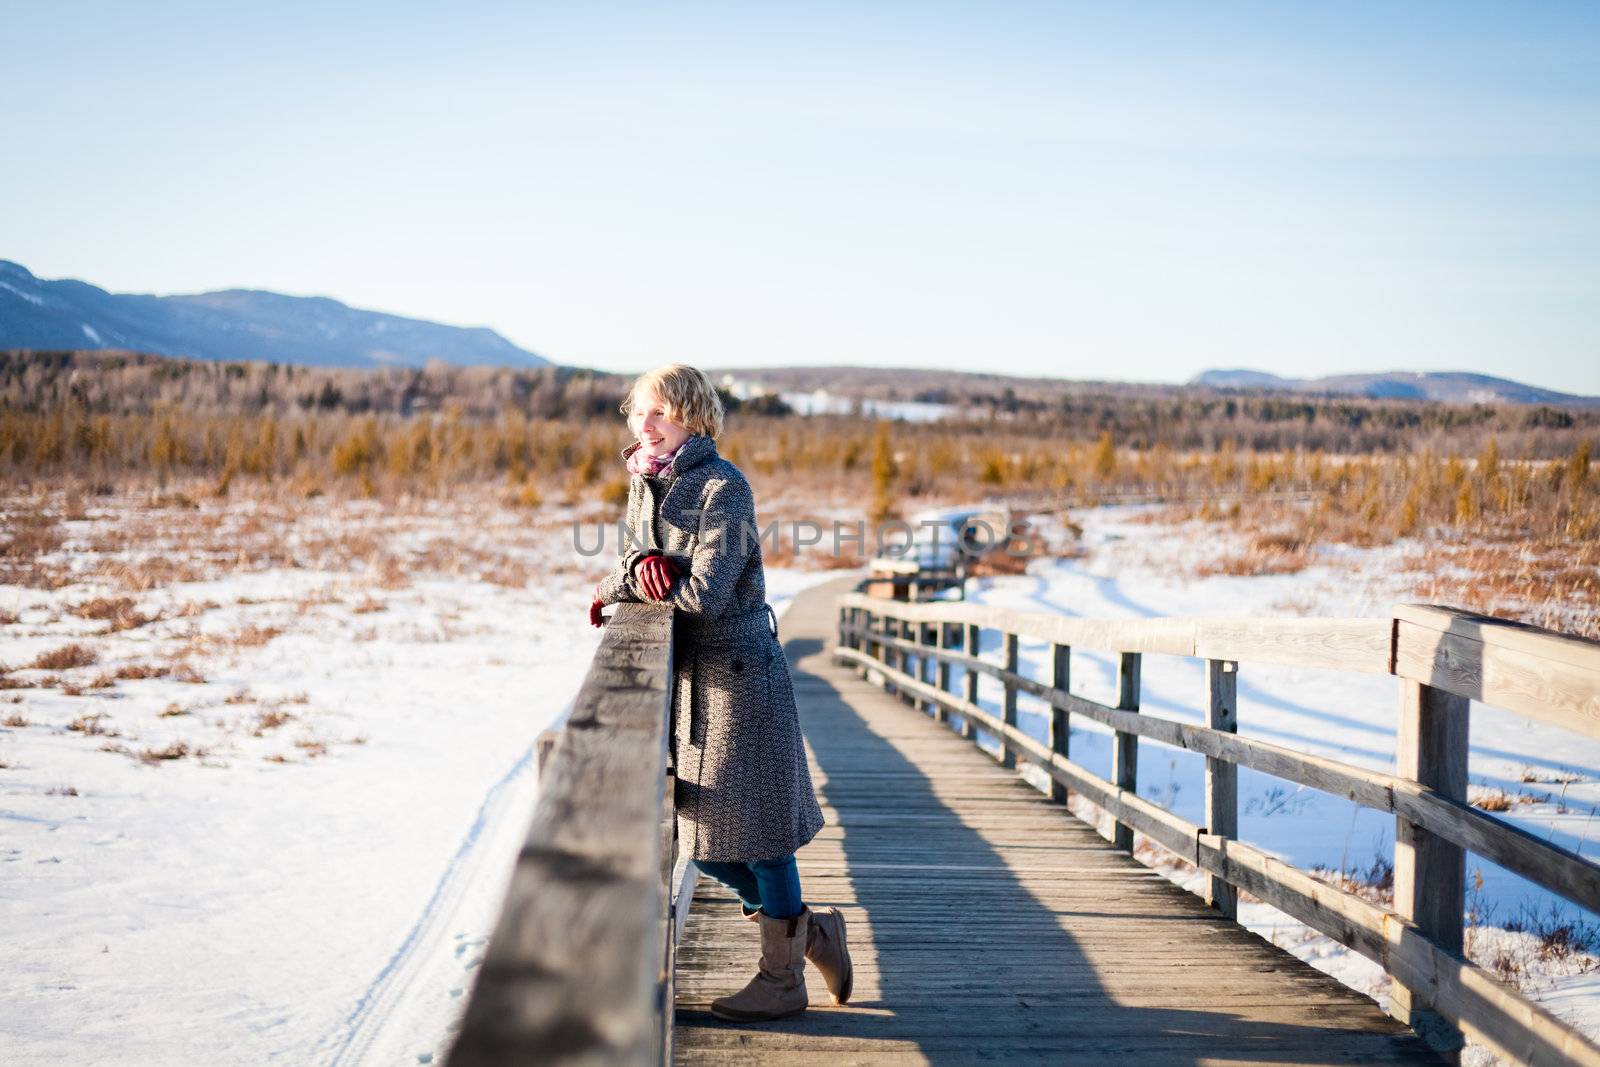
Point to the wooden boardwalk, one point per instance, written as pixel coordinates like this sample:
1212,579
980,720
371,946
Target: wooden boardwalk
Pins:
987,924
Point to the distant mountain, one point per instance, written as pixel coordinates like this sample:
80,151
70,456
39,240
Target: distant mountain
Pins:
1452,387
235,324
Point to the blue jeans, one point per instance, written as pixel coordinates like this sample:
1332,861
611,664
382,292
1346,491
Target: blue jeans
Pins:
771,885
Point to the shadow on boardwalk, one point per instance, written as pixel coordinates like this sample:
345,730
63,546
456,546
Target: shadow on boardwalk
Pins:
987,924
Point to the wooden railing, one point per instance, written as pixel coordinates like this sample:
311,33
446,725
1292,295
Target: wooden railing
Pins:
579,966
1443,659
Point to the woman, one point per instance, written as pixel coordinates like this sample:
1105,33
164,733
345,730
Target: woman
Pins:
744,796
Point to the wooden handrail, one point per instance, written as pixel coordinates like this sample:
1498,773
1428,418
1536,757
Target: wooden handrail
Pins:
579,966
1344,644
1442,658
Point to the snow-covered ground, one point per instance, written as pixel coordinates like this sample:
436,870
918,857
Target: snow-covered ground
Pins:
291,843
1134,569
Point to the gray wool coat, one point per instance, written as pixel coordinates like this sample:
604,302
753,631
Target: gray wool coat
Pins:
743,789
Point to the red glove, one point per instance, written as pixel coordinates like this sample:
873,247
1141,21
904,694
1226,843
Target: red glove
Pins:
655,574
595,618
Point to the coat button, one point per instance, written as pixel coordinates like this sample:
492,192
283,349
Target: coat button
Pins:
736,666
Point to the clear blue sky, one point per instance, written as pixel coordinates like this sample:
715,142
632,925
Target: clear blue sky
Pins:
1134,190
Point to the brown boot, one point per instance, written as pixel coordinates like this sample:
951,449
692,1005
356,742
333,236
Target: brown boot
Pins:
826,948
779,987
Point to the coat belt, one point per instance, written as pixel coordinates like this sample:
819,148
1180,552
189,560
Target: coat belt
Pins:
724,629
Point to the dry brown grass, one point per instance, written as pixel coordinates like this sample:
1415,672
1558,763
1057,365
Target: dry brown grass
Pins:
31,532
511,574
173,710
93,724
139,671
391,573
155,572
1554,584
65,658
170,751
270,719
252,636
16,720
1373,883
61,791
187,672
120,613
1276,552
1564,777
1497,799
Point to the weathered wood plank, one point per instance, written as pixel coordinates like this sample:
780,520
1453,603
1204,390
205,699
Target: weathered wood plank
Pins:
1341,644
1561,688
1429,871
1059,735
573,968
1222,776
1331,644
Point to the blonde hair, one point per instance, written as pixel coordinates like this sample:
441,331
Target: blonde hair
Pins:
685,393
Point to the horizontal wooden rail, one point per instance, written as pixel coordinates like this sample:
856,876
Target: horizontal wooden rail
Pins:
579,966
1550,677
1442,657
1342,644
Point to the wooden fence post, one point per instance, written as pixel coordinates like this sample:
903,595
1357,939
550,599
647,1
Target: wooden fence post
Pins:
907,659
1222,777
969,729
1060,732
944,634
875,648
1429,872
888,655
1124,746
1008,755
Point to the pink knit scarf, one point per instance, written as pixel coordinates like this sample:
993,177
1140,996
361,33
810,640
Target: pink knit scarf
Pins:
641,462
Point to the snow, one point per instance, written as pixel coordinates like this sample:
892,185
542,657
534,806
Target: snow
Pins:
91,333
32,298
822,402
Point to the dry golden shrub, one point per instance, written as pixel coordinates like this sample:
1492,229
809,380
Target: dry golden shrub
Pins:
65,658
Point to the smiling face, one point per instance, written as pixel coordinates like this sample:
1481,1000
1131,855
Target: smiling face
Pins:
648,420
